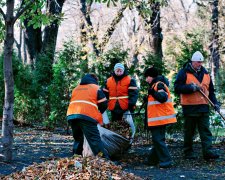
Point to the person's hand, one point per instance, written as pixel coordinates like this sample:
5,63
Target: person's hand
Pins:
151,91
195,87
217,107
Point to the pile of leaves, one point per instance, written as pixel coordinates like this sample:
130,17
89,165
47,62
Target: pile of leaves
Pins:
73,168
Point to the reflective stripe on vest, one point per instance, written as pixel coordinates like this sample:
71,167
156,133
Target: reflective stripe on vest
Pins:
118,91
161,118
160,113
120,97
84,102
87,102
157,102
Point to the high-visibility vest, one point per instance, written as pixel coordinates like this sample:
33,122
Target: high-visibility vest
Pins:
84,101
160,113
118,91
196,98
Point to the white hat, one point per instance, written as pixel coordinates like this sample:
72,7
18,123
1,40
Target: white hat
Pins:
119,66
197,56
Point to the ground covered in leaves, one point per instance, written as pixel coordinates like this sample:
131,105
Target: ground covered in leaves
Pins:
42,154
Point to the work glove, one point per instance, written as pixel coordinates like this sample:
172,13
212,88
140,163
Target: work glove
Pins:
151,91
195,87
217,107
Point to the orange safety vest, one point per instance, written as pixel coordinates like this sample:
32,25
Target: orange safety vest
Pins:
118,91
160,113
196,98
84,101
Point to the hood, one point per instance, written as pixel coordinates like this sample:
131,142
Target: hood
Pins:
160,78
88,79
117,78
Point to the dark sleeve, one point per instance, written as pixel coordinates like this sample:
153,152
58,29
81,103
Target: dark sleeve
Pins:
106,90
161,94
180,85
103,103
212,95
132,93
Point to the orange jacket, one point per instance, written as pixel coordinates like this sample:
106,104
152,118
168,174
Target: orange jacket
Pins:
84,101
160,113
118,91
196,98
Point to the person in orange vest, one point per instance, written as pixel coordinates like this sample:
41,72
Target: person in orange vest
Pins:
84,113
121,91
190,79
160,113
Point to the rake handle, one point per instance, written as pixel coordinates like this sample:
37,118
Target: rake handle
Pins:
213,105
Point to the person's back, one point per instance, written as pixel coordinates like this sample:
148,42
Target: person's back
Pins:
87,104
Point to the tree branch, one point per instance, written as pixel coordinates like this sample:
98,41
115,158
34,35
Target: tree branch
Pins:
22,10
3,14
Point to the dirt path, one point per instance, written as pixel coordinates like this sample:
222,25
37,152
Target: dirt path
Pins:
37,146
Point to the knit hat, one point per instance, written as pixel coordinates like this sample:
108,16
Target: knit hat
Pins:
197,56
119,66
152,72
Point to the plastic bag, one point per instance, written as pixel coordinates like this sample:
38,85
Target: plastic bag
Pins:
105,118
128,118
113,143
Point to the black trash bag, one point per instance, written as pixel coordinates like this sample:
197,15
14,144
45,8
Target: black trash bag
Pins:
113,143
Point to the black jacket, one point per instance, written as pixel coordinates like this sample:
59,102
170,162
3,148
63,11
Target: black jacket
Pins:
88,79
182,88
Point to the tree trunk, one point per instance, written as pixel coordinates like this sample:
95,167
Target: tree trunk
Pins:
156,29
85,9
33,41
84,43
7,122
214,46
51,32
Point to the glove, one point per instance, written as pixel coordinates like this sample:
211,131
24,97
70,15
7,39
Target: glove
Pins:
217,107
151,91
195,87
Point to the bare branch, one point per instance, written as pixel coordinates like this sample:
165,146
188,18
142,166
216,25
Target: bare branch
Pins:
3,14
185,12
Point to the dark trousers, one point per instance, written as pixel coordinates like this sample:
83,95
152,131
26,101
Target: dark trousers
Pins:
81,128
159,152
116,117
201,122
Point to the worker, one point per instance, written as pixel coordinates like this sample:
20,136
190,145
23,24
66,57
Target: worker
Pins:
190,79
160,113
121,91
87,104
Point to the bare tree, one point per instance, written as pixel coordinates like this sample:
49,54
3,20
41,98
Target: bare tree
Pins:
7,120
214,46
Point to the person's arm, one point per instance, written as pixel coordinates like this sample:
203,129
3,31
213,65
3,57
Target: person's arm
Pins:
132,94
161,93
102,101
106,90
180,85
